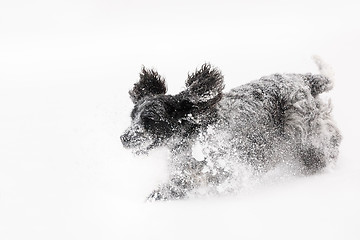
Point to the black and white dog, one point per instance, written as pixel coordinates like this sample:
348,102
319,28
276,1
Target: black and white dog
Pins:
278,118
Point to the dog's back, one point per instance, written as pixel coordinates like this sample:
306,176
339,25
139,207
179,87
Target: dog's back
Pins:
282,112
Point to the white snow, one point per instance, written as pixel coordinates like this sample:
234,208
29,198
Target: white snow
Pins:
66,68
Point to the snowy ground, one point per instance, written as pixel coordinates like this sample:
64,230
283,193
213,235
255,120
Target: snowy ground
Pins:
65,69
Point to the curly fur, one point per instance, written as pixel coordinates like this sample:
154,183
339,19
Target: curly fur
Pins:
278,118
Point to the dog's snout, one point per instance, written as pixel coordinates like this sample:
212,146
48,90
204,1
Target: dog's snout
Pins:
125,139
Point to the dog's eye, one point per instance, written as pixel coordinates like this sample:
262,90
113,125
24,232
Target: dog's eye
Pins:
151,117
150,122
158,127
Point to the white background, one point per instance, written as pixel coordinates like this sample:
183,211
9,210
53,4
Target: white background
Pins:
66,68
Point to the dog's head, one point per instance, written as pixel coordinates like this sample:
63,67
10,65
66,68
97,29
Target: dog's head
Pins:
158,119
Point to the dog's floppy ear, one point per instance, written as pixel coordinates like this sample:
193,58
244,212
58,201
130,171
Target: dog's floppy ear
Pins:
150,84
204,86
197,103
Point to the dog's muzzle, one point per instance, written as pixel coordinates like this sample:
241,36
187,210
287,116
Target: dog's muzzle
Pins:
125,140
138,141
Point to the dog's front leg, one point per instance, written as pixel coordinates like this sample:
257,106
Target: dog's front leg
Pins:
166,192
185,177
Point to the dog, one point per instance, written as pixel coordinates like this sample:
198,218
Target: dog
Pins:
213,136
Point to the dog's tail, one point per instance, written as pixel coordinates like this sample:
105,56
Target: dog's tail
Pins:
324,68
322,82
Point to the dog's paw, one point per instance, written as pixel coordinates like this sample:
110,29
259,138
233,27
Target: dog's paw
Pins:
166,193
156,195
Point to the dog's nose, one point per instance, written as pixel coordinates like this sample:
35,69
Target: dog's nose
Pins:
125,139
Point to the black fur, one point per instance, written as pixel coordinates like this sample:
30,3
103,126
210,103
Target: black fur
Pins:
150,84
165,116
278,118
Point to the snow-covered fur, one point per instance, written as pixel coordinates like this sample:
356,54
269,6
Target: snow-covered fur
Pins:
213,136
